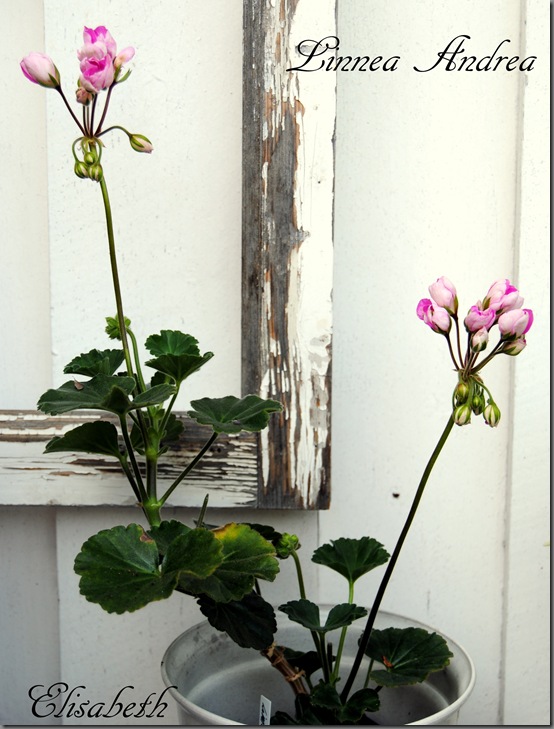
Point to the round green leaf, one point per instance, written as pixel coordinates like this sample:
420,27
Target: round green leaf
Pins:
197,554
307,614
103,392
231,414
96,362
96,437
250,622
247,556
166,532
352,558
409,655
119,570
171,341
179,367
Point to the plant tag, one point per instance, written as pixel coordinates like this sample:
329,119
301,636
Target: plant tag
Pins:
265,711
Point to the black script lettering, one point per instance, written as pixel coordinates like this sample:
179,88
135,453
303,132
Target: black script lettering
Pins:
129,708
96,713
164,705
488,59
53,693
447,53
143,705
80,711
72,707
470,63
115,703
311,49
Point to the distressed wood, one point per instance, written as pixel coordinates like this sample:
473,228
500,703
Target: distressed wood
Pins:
288,122
28,476
288,160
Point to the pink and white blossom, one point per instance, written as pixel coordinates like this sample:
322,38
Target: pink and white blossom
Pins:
99,60
502,296
515,323
443,292
479,340
40,69
479,319
434,316
123,56
514,347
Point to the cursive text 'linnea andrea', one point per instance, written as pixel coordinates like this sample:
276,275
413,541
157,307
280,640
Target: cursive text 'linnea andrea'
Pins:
323,55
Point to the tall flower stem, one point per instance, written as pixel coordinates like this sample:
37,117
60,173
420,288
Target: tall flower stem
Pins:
115,277
392,562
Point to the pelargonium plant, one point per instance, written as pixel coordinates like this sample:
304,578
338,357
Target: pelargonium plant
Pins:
126,567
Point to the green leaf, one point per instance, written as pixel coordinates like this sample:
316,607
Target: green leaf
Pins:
119,570
181,366
96,437
153,396
231,414
327,697
365,699
195,554
408,654
166,532
250,622
306,613
172,342
96,362
247,556
103,392
112,326
351,558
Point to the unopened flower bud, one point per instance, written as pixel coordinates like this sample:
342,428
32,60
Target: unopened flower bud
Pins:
492,414
462,414
479,340
81,170
461,393
288,544
89,158
96,172
112,327
478,403
40,69
514,347
140,143
83,96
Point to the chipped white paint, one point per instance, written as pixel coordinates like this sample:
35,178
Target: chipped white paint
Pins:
306,102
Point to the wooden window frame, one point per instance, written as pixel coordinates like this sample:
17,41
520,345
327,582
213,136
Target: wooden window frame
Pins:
288,164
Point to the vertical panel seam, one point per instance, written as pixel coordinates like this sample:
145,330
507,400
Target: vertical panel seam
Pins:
516,242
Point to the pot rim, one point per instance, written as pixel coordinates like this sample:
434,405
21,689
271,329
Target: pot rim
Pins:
435,718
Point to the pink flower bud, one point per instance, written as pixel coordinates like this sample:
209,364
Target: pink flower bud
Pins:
123,56
83,96
100,38
502,296
478,319
140,143
96,73
515,323
434,316
514,347
443,292
479,340
40,69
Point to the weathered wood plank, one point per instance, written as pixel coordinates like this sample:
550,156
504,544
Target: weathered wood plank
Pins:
228,471
288,156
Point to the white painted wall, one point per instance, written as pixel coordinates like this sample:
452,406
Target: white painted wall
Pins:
437,173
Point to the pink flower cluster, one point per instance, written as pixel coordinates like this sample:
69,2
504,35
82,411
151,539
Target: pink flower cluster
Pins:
100,64
501,305
99,60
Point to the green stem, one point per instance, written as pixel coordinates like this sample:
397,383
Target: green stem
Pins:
336,669
299,575
188,469
131,454
115,277
392,562
138,369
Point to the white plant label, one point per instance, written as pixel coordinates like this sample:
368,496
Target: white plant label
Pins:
265,711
